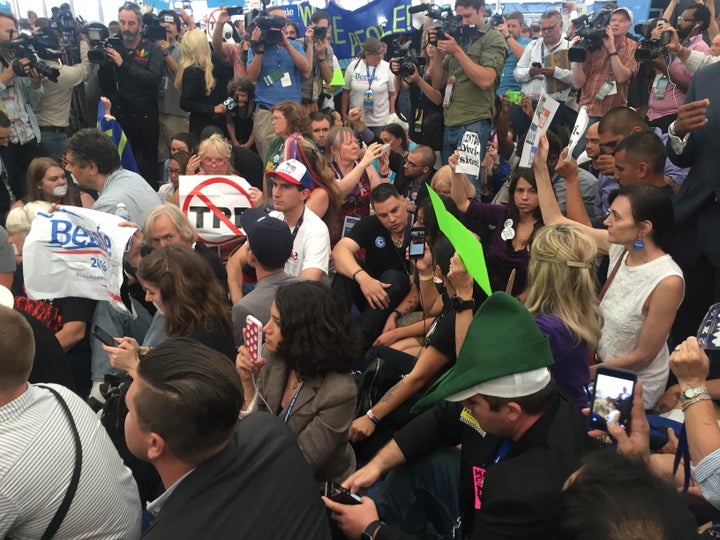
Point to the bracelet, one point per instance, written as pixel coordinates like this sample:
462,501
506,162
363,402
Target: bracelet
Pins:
687,404
396,312
507,37
371,416
613,53
357,272
426,277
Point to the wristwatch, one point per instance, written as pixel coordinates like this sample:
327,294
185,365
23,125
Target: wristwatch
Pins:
457,304
691,393
371,530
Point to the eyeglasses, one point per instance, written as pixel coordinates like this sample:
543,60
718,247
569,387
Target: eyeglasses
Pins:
213,160
548,28
682,19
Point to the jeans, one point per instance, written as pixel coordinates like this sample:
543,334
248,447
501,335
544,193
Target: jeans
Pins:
422,492
452,139
53,143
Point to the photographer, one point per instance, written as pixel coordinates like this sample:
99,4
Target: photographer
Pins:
20,90
320,56
275,66
670,82
604,77
53,109
470,73
131,79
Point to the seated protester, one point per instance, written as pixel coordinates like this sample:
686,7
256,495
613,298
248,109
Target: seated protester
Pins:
602,166
217,156
67,318
443,178
513,427
269,246
181,142
494,169
320,124
377,285
413,174
391,412
207,470
394,134
561,296
310,257
47,436
174,278
304,378
176,166
588,183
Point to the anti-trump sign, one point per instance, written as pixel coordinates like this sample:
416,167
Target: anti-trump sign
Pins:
75,252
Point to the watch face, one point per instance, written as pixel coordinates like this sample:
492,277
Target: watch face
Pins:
691,393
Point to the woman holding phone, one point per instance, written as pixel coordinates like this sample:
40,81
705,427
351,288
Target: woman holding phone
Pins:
304,377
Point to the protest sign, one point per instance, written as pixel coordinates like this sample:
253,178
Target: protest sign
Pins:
470,149
75,252
581,125
213,204
544,113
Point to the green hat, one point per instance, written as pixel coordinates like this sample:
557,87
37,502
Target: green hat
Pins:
504,354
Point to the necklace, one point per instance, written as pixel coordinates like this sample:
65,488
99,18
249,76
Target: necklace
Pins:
397,241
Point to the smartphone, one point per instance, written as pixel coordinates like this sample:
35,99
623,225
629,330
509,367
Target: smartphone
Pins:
234,11
417,242
253,337
513,96
536,65
335,492
103,336
612,397
386,148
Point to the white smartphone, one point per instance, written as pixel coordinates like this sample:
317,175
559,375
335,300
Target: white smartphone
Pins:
253,337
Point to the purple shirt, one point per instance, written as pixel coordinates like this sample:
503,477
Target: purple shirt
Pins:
570,370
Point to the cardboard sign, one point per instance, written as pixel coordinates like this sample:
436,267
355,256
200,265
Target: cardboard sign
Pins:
470,150
76,252
214,204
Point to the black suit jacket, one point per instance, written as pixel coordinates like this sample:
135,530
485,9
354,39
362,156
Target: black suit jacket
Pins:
259,486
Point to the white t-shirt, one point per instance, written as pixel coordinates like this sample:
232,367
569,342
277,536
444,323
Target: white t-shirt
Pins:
357,77
311,247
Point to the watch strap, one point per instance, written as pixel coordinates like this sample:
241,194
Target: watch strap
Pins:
371,530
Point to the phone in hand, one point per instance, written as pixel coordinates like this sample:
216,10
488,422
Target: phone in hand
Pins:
253,337
536,65
417,242
612,397
104,337
234,11
514,96
335,492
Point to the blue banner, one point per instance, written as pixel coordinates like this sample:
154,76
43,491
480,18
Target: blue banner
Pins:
350,29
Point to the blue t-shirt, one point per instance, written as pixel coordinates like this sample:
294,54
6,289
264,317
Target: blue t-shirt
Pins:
274,59
507,81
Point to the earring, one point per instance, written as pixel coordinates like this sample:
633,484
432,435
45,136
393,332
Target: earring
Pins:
638,244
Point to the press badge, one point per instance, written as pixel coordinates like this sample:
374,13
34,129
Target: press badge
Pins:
609,88
274,77
285,80
417,125
449,87
11,109
661,84
368,100
315,91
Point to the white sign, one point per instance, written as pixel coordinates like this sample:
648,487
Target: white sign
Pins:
581,125
75,252
214,204
544,114
470,149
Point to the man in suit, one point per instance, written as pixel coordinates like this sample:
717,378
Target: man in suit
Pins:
693,142
223,479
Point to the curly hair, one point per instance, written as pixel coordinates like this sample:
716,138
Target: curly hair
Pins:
191,299
318,333
561,280
295,116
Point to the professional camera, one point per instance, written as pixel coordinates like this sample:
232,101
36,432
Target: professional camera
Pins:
152,29
320,33
447,24
272,27
28,46
65,21
591,30
407,57
650,47
100,41
496,19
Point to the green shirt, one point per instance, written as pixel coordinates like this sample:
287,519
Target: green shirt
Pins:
470,103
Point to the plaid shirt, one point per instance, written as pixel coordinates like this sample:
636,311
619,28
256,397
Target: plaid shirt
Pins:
597,71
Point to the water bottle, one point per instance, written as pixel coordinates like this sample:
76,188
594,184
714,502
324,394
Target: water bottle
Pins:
122,211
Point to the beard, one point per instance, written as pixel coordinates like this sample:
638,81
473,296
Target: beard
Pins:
129,36
683,33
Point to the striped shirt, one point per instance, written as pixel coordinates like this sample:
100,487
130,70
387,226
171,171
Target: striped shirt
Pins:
37,456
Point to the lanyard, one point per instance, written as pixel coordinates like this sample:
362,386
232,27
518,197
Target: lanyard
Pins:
683,452
370,78
503,449
550,50
297,226
291,404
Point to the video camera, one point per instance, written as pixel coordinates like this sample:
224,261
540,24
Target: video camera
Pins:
447,24
272,27
496,19
591,30
407,57
28,46
100,41
65,21
152,29
650,47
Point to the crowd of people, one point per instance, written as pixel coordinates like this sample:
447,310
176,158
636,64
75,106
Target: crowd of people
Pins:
418,400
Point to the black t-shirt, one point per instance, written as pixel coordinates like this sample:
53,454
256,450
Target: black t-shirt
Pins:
380,251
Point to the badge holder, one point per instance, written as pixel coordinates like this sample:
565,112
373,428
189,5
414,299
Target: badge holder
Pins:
661,84
449,87
607,89
368,100
273,77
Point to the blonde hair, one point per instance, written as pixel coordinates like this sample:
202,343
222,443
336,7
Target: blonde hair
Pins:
561,280
196,52
444,177
216,141
19,220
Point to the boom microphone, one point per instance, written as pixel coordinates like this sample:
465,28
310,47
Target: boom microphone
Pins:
419,8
